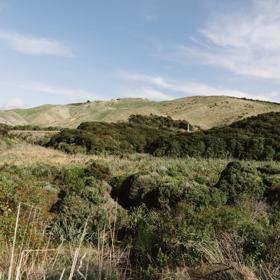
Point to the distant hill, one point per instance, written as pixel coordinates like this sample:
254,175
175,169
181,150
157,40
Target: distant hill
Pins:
203,111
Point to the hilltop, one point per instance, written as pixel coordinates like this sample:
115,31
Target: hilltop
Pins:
203,111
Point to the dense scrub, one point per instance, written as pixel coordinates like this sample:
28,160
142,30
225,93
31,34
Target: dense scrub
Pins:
4,129
160,121
174,213
168,216
114,138
255,138
34,128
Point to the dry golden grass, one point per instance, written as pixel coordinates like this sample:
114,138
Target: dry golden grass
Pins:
24,154
203,111
23,259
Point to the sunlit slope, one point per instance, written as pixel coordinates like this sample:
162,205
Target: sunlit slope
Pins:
202,111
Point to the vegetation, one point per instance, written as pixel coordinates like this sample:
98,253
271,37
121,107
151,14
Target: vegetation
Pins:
34,128
201,111
255,138
4,129
114,138
172,215
110,209
160,122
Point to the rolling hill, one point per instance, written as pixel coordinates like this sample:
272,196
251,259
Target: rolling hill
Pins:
203,111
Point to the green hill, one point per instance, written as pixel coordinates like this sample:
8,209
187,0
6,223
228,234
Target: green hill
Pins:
202,111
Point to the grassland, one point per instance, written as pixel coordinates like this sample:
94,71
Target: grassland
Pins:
205,112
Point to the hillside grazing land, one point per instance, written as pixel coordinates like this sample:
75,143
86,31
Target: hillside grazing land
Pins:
202,111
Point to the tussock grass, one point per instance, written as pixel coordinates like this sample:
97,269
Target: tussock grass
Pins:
29,258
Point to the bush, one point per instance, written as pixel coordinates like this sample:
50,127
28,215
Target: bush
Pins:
4,129
255,138
239,181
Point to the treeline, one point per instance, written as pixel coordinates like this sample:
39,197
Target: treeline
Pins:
35,128
113,138
255,138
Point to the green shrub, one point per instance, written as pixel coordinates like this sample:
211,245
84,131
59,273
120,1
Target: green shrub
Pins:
255,138
240,180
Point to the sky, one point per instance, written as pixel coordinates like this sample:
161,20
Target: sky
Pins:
59,52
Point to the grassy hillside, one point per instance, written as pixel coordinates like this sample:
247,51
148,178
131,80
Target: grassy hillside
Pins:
205,112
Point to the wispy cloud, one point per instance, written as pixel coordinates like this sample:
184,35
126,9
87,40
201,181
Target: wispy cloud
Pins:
62,91
191,88
147,92
12,103
31,45
244,43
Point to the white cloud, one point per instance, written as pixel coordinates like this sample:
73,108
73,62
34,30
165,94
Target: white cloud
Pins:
244,43
12,103
53,90
31,45
191,88
147,93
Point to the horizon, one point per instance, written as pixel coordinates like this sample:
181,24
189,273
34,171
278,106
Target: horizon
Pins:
83,102
69,52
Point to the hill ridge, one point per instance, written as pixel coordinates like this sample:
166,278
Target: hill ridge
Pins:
203,111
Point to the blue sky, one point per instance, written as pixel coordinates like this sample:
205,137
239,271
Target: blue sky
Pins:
68,51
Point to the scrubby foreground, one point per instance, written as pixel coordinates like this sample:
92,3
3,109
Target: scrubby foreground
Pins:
136,217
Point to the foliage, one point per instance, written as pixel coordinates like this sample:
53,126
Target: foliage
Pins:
29,127
160,121
4,129
114,138
163,210
255,138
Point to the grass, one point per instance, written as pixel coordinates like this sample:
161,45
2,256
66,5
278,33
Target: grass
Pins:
23,154
42,261
220,110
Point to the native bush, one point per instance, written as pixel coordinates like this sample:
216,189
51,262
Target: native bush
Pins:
255,138
240,180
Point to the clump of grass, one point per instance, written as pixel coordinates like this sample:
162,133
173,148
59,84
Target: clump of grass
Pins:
46,260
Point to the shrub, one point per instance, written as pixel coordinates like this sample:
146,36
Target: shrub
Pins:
255,138
240,180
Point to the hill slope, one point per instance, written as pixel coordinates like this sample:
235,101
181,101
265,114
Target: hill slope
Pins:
202,111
